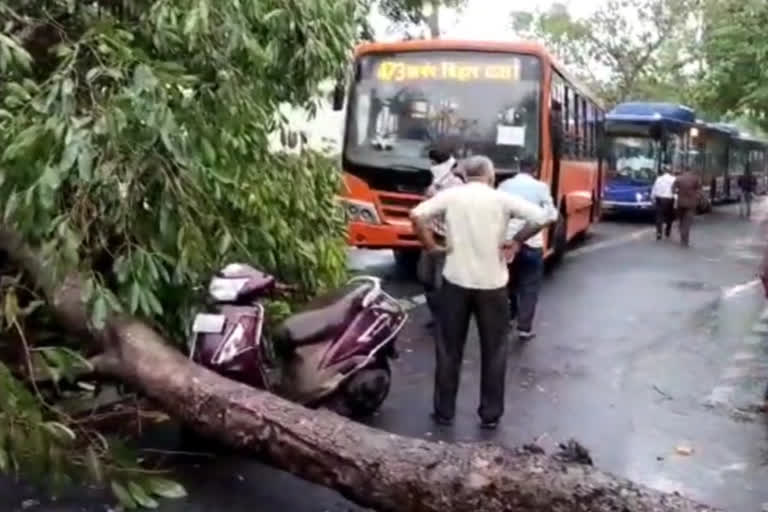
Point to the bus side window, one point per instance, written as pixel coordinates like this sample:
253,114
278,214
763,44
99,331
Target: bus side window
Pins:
568,123
596,132
589,126
578,136
584,130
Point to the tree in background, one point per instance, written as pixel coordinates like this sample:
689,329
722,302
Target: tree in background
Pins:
735,81
624,50
418,12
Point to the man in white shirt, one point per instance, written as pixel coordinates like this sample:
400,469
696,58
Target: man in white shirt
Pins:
664,197
474,281
527,268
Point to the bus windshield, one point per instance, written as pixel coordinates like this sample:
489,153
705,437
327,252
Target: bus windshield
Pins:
404,104
636,159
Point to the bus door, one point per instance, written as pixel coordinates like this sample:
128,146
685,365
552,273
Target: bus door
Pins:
602,150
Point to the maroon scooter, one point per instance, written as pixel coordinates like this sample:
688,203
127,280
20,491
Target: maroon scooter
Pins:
334,353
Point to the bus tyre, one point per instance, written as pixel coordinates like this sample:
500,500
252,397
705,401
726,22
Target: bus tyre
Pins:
560,237
407,261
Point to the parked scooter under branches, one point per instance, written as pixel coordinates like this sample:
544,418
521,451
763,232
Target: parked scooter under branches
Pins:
334,353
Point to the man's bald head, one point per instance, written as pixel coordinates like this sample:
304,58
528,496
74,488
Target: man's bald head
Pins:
478,168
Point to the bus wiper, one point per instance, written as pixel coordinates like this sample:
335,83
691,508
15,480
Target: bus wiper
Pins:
408,168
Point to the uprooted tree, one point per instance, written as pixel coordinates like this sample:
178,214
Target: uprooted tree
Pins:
135,160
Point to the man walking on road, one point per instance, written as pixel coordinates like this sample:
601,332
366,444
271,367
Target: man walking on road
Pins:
527,268
474,281
664,200
687,186
747,184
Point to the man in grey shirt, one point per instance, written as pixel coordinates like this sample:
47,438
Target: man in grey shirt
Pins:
475,280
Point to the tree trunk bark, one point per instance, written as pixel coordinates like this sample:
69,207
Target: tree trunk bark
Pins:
370,467
433,20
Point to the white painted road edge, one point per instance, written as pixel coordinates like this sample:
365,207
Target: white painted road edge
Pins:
730,292
409,303
612,242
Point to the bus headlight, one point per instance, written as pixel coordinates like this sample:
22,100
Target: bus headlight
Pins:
639,197
360,211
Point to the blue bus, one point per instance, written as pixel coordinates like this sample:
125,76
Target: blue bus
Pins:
749,155
642,139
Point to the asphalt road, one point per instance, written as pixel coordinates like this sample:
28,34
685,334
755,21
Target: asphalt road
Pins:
643,347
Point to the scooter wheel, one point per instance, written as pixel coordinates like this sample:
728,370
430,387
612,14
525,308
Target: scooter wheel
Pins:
363,393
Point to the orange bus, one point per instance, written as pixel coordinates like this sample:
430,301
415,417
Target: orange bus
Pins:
509,101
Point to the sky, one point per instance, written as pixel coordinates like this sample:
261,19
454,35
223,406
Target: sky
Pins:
485,19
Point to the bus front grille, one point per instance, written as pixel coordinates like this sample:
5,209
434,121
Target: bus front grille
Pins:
397,206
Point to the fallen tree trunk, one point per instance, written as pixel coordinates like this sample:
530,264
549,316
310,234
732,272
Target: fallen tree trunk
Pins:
370,467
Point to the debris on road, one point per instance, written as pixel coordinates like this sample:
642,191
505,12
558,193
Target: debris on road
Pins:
684,449
573,451
664,394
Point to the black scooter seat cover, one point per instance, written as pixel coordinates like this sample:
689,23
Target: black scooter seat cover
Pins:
324,317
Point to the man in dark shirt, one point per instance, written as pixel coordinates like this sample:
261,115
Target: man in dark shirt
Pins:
687,186
747,184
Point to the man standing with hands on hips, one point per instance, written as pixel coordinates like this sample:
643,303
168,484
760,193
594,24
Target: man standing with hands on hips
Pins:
475,279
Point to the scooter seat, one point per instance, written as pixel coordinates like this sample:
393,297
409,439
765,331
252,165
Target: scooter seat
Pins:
322,318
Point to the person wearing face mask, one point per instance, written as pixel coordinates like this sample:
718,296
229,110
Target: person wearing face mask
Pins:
474,281
431,264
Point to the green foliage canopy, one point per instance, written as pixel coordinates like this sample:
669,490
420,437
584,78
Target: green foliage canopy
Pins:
736,52
134,150
624,49
412,12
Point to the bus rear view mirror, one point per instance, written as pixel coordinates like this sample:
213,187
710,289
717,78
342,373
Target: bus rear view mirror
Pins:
338,96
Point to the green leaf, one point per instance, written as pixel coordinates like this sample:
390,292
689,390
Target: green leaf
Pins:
22,57
99,315
154,304
166,488
19,91
208,152
85,164
123,496
4,460
93,464
11,306
143,78
272,14
68,363
60,432
225,243
67,87
135,296
69,156
140,495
